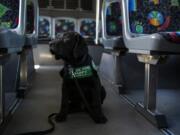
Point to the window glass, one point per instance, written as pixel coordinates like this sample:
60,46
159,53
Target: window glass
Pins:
72,4
87,5
43,3
58,4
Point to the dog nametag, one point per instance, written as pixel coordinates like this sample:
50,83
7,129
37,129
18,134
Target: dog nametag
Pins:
81,72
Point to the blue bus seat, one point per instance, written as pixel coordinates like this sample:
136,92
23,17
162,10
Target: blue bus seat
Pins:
32,18
63,24
112,25
151,26
12,24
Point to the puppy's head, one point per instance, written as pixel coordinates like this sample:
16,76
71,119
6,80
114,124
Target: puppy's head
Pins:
71,47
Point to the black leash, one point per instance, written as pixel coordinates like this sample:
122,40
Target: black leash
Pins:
83,97
43,132
50,120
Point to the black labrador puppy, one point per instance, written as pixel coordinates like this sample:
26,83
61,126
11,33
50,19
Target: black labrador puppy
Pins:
81,88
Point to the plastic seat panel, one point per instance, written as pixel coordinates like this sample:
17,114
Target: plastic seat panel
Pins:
45,28
12,22
63,24
32,23
87,27
147,29
112,24
9,39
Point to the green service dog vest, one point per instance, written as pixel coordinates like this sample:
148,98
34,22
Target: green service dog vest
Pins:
82,72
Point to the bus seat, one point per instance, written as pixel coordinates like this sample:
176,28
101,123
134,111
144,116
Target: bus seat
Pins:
112,25
150,30
87,28
151,26
32,18
45,28
63,24
12,24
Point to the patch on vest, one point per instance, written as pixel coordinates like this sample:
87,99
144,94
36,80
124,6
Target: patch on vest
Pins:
81,72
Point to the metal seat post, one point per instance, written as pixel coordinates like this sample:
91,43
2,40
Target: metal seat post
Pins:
148,109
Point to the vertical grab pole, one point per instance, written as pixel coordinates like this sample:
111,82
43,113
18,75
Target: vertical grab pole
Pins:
97,20
1,95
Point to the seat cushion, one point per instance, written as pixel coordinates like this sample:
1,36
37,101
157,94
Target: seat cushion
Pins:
44,28
10,39
9,15
113,19
149,17
63,26
88,28
172,36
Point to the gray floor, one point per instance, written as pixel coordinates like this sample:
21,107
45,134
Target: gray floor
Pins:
168,92
167,103
44,99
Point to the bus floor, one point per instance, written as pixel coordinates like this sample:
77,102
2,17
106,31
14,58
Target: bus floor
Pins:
167,103
45,96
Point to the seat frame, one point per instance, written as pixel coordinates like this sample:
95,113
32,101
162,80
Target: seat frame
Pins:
110,42
31,41
12,41
154,44
151,49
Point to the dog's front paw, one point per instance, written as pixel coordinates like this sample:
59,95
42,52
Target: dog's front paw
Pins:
60,118
100,120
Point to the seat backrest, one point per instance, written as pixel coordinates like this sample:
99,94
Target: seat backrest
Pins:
152,16
45,27
87,27
12,15
32,17
112,25
62,25
111,19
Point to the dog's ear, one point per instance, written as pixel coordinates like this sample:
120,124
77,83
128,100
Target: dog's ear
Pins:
80,48
55,48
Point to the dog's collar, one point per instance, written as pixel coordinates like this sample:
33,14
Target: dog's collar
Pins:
75,63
